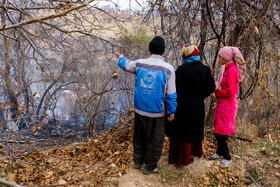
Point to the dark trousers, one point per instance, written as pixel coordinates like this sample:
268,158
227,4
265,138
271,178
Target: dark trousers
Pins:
148,140
222,149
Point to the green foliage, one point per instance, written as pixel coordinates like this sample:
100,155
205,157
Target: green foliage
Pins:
276,148
140,37
135,44
269,149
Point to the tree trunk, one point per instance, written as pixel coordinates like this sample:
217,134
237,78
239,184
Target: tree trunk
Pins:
203,29
7,73
220,36
240,12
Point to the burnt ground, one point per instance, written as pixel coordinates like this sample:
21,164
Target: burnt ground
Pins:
46,137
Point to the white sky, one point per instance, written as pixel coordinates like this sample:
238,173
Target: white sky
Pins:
122,3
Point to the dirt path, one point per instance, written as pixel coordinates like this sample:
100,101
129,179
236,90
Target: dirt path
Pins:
169,176
135,178
202,172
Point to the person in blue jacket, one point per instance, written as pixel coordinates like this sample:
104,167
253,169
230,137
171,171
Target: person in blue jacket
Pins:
155,100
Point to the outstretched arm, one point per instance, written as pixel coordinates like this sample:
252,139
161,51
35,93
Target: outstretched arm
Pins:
126,64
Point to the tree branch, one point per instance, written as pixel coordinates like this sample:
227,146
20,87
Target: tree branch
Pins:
34,20
7,183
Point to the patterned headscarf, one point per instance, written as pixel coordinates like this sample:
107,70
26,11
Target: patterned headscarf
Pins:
232,54
190,53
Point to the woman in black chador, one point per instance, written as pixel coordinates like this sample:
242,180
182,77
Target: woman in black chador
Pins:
194,83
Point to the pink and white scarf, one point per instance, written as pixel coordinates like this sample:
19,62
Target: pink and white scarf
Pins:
232,54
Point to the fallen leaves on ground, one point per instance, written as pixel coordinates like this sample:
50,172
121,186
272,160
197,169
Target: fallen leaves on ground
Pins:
105,158
98,162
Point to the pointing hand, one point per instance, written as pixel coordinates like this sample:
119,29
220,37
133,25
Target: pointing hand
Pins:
119,54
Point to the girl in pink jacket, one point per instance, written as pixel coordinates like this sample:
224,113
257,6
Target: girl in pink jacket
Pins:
232,72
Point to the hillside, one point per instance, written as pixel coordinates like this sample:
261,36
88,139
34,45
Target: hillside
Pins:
66,115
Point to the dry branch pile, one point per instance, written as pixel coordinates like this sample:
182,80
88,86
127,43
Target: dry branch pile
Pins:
98,162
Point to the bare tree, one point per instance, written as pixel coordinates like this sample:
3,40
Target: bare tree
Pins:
210,24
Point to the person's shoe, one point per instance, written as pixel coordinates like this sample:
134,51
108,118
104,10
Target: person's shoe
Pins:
156,170
137,166
215,156
224,163
192,160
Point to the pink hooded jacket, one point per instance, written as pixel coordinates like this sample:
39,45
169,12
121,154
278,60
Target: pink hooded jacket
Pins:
227,103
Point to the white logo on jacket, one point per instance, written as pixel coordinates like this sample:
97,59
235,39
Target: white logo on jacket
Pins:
149,80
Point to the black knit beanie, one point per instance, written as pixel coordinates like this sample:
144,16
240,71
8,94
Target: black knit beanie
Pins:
157,45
